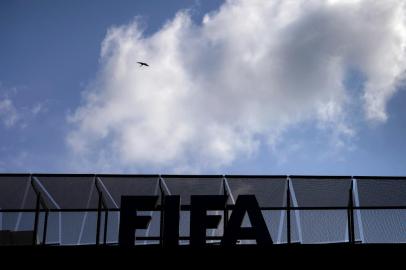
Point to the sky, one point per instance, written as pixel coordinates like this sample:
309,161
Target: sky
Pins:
232,87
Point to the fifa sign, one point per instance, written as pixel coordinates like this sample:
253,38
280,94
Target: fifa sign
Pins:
200,220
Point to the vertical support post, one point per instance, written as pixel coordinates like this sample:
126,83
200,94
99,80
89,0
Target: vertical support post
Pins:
37,212
350,214
44,233
98,219
161,212
102,205
106,220
358,211
161,220
288,208
225,218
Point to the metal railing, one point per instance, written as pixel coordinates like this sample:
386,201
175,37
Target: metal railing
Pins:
102,206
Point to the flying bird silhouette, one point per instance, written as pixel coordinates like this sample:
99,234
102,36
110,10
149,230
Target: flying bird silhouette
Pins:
143,64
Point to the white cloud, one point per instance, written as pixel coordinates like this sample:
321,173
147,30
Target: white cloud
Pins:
8,112
250,70
12,116
39,108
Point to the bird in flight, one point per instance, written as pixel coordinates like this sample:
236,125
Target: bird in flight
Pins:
143,64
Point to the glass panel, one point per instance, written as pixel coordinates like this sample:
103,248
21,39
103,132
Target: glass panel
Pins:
382,192
72,225
270,192
69,228
384,226
187,186
16,193
319,226
73,192
295,232
8,221
333,192
184,224
115,187
88,227
113,227
152,230
53,237
275,221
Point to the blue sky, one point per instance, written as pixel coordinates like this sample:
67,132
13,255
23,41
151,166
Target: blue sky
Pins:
230,93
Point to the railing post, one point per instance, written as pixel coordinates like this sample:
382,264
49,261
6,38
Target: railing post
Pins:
45,229
36,220
288,213
226,208
102,205
161,212
350,214
161,220
98,219
106,220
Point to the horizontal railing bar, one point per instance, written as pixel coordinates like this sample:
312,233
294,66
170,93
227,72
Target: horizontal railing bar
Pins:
180,237
239,176
324,177
321,177
188,208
